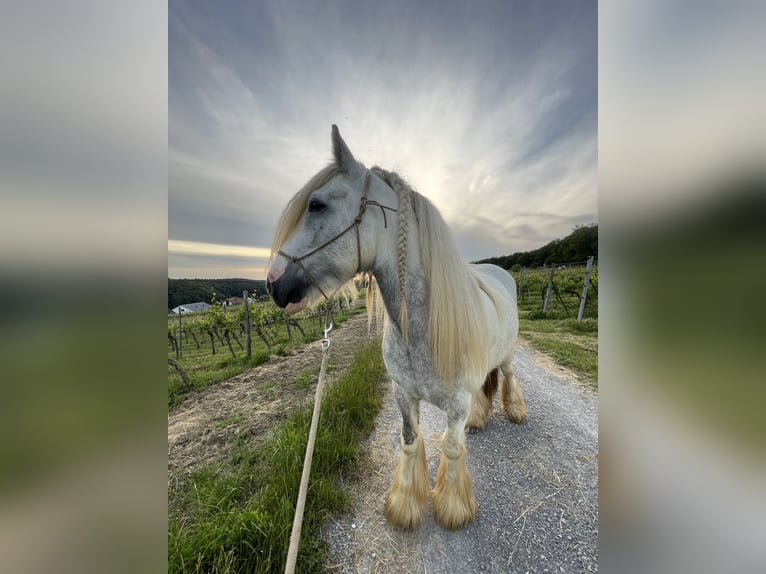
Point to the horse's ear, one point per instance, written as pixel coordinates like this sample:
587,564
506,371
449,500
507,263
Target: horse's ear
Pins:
343,157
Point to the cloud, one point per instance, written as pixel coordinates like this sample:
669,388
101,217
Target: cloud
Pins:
195,248
485,111
210,261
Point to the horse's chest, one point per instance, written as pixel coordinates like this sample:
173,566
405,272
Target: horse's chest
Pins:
411,368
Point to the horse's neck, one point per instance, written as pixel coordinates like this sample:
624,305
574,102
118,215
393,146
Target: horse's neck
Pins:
386,275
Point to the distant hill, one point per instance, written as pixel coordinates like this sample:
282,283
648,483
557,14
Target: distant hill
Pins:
182,291
575,247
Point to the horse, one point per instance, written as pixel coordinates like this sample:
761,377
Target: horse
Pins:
449,325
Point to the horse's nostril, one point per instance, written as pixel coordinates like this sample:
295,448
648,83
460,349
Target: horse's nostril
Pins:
295,295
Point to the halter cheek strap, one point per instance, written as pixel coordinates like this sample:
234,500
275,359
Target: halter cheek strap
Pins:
355,224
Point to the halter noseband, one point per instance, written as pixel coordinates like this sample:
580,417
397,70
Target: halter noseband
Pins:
355,224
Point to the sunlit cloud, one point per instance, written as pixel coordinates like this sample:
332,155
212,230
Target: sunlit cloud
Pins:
214,250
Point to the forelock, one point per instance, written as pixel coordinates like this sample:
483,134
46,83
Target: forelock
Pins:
293,212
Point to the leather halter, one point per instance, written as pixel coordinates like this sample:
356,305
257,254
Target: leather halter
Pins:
355,224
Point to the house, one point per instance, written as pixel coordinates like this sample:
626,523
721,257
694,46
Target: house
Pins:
191,308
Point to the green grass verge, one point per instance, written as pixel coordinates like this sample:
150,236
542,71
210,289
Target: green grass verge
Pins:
571,344
238,517
557,333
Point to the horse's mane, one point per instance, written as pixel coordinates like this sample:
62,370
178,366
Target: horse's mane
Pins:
457,337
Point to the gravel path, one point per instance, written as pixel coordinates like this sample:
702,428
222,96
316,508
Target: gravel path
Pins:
536,486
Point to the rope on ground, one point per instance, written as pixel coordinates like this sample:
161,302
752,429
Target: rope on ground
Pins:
300,505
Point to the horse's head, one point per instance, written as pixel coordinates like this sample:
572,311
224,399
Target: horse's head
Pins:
327,232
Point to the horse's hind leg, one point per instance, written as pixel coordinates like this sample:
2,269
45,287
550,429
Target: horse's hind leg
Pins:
407,499
511,399
481,402
454,503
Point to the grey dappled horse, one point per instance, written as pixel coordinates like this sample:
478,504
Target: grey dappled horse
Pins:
449,325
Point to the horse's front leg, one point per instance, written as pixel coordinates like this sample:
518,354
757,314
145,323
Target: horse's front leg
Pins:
407,499
454,503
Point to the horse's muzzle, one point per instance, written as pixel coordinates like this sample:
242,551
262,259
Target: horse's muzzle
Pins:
290,287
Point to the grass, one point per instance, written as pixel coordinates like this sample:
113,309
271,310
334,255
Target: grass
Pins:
303,380
229,421
238,517
571,344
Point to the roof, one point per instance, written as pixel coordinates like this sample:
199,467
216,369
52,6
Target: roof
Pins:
192,307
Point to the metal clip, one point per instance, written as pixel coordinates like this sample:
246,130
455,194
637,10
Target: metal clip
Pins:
326,340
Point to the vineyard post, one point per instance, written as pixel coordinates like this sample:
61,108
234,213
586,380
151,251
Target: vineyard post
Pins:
287,323
248,348
585,288
548,290
180,336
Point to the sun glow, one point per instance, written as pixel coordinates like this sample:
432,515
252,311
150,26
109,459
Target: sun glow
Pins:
177,247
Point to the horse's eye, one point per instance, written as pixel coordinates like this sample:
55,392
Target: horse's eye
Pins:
316,205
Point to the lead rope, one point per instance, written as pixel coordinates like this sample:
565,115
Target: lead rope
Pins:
295,535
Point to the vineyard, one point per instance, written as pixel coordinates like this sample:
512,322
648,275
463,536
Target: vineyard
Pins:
564,296
210,346
550,303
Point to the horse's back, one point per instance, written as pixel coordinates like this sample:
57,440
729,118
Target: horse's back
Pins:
501,314
495,276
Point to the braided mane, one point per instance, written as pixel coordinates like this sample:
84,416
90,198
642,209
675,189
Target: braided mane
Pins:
403,193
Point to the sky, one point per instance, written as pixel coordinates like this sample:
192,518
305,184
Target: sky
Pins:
489,109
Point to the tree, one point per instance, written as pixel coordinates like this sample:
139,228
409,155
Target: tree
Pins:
576,247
